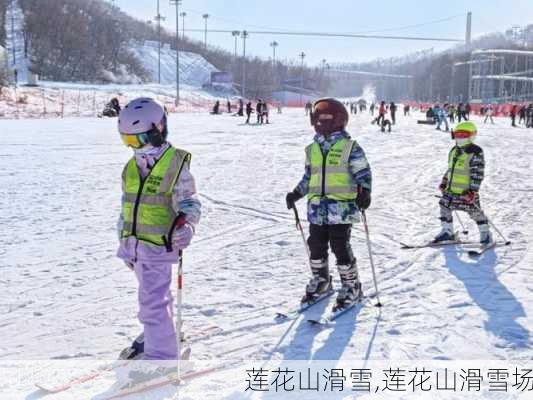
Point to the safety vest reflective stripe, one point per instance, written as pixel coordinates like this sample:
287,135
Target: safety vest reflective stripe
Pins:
330,169
336,184
331,190
147,229
158,200
459,172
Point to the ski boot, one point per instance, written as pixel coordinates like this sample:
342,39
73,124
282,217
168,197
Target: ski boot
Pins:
351,290
320,283
446,234
485,237
135,351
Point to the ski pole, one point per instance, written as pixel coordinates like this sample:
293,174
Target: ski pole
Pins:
179,287
370,257
507,242
299,227
465,231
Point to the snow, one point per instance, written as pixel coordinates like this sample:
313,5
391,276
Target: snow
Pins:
194,69
60,99
65,299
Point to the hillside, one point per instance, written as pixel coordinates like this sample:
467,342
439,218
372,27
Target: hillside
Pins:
194,69
95,42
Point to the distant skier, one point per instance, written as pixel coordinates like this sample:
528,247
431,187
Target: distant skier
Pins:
216,108
461,183
512,114
265,112
228,105
112,109
451,113
385,123
468,110
337,182
393,107
308,107
488,114
259,111
442,116
522,115
371,109
406,110
461,112
159,213
240,112
249,111
529,116
381,113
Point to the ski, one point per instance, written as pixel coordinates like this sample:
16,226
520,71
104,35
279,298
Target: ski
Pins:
439,244
162,381
51,387
294,313
336,313
479,252
57,388
61,387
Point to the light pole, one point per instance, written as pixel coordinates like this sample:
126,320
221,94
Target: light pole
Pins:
243,82
323,69
274,44
205,16
302,56
159,18
183,15
235,34
177,4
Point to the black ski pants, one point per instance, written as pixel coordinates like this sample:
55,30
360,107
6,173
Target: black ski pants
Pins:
337,236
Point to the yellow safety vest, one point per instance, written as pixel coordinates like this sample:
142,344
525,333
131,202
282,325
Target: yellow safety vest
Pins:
458,171
147,209
330,176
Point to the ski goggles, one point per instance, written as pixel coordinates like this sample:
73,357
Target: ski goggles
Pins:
462,134
135,141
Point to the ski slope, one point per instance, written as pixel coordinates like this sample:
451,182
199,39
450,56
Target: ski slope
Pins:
65,296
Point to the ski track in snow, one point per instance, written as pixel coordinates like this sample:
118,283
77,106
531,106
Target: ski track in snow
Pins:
64,294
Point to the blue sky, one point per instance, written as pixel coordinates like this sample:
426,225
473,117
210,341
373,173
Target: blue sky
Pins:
388,17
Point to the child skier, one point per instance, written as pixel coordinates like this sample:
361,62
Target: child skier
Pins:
338,183
461,183
158,218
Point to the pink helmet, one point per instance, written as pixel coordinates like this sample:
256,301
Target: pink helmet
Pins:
140,115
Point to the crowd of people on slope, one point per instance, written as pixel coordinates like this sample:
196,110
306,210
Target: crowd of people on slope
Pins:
524,113
261,110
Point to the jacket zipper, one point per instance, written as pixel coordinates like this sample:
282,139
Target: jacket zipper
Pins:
324,159
455,159
136,206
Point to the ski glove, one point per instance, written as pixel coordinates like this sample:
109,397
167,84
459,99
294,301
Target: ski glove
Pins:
363,198
292,198
182,237
469,197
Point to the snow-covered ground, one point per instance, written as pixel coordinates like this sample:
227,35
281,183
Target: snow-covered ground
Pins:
64,295
60,99
194,69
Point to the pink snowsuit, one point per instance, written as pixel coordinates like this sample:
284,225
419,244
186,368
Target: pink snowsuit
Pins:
153,265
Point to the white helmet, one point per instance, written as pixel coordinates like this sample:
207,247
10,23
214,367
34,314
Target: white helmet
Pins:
145,118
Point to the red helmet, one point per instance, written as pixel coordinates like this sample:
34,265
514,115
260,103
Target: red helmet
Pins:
328,115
